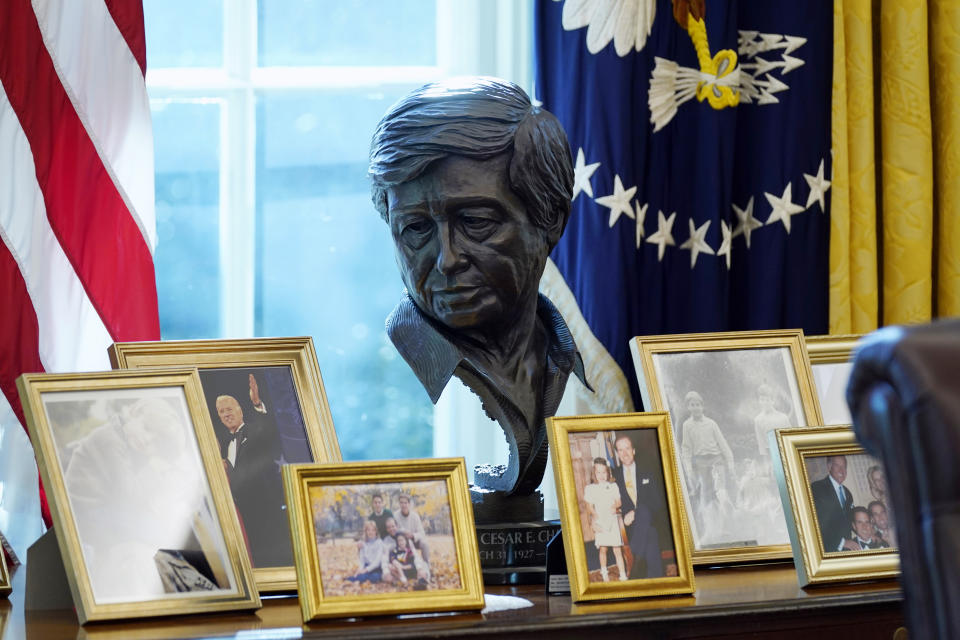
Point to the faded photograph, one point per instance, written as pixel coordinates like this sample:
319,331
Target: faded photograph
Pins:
831,379
138,492
384,537
851,503
622,499
259,426
723,405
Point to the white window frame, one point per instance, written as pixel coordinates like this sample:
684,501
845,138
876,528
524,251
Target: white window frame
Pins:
474,37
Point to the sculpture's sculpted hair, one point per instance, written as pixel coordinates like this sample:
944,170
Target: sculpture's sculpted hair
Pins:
477,118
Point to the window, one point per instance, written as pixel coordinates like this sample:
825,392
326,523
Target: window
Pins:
263,113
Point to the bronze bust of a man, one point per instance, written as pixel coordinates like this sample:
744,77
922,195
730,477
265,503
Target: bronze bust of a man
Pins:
476,183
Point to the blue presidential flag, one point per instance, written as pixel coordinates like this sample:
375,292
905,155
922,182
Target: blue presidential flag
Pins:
701,139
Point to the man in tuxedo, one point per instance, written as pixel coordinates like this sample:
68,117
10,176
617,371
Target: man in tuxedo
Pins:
865,534
881,522
833,503
643,502
252,456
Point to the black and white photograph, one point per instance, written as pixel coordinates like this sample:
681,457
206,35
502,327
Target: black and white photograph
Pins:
831,361
138,493
831,381
723,404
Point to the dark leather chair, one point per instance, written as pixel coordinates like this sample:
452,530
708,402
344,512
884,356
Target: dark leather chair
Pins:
904,395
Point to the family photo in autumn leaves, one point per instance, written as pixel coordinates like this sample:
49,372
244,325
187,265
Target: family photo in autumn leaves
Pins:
384,538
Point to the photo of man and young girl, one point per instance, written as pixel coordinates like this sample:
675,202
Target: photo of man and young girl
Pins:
622,501
384,538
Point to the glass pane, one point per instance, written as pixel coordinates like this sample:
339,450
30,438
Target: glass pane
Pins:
326,268
347,32
183,33
186,138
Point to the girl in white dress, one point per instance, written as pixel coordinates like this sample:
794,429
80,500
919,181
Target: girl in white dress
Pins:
603,502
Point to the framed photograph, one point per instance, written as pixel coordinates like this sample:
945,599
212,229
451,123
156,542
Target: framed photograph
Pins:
5,586
383,538
725,392
624,528
267,408
137,493
831,360
842,526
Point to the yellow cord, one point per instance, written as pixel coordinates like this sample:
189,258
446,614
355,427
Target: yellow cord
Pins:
698,33
720,65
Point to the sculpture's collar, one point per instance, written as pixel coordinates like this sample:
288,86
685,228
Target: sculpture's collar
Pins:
433,357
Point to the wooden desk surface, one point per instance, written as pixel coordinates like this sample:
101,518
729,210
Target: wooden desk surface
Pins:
762,601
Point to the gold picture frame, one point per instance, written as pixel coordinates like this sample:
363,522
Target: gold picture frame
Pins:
5,585
291,364
831,360
137,494
802,451
752,382
642,508
449,579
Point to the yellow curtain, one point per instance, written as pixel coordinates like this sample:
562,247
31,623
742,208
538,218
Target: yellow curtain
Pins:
896,121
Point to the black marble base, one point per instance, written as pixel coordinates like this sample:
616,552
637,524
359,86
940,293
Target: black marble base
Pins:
515,575
515,552
493,507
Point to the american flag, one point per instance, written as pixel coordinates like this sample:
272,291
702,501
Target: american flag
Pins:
689,215
76,188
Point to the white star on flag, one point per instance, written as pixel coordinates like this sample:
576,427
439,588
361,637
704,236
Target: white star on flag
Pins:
641,213
696,242
663,236
726,243
619,201
818,187
747,222
582,173
783,207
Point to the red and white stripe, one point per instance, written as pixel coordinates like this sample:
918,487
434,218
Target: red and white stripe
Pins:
77,219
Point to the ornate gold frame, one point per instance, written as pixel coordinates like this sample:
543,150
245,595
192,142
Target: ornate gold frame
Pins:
296,353
813,565
297,480
644,348
831,349
5,586
32,388
581,588
829,353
